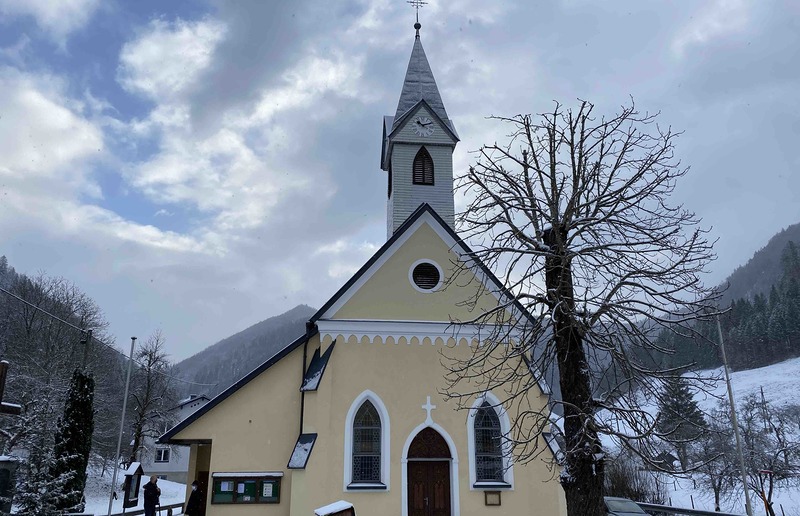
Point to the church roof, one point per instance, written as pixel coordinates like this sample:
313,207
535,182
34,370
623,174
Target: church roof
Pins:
419,84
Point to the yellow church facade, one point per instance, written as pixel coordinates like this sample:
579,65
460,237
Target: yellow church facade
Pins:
353,409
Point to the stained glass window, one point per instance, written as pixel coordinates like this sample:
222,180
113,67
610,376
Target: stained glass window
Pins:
367,444
488,445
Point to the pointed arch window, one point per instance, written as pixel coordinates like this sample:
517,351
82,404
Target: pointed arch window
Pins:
423,168
367,445
488,445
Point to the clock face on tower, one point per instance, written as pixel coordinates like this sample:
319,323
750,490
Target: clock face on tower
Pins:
423,125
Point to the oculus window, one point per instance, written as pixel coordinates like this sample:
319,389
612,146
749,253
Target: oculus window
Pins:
426,276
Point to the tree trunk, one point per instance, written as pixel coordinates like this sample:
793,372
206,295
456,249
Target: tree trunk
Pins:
583,475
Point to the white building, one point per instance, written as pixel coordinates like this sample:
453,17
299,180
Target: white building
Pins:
171,462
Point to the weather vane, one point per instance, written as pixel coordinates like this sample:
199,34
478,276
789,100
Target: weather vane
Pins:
417,4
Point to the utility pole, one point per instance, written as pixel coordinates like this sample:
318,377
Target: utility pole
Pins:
86,340
122,427
748,507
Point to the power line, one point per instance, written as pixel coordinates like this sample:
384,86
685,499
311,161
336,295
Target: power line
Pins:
109,346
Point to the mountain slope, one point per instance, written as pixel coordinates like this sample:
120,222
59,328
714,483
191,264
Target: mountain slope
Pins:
762,270
231,358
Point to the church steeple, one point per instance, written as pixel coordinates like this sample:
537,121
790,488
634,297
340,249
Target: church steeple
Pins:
418,145
419,84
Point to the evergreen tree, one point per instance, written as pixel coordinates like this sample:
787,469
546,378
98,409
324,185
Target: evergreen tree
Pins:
790,260
73,440
680,420
40,493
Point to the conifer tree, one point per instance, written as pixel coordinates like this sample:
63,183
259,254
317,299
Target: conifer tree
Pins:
73,441
680,420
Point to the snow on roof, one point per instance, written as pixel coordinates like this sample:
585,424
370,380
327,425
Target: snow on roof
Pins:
316,368
134,469
333,508
302,451
555,446
246,474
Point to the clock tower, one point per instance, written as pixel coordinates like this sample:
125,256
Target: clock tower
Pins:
418,145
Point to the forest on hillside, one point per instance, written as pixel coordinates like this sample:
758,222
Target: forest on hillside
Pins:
57,375
758,331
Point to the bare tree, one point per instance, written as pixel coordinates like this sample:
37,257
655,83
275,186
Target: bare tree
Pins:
771,438
44,351
573,212
717,455
153,393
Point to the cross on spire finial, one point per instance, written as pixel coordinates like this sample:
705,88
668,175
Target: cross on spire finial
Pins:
417,4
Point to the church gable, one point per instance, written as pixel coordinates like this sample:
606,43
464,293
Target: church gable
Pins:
423,125
408,279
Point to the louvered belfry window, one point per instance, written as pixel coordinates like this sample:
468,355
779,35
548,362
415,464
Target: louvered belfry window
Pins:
367,444
488,451
423,168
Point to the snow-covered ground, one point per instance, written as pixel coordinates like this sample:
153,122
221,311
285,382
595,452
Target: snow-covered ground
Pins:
98,490
781,384
682,493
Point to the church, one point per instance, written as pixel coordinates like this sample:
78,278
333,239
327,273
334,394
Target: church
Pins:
351,412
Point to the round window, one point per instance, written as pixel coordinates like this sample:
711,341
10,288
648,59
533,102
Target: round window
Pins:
426,276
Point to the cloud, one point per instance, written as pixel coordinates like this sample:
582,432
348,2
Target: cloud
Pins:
41,137
48,151
168,57
59,19
715,20
248,168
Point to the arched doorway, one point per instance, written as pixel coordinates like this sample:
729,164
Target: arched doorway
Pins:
429,475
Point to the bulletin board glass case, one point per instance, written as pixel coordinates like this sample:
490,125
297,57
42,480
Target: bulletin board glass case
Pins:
245,489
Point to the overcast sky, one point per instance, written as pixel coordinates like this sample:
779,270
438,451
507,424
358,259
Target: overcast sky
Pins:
200,166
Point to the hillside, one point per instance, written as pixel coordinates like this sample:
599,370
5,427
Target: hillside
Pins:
762,270
231,358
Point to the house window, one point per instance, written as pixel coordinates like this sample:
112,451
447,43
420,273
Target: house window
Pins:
423,168
162,455
367,445
488,445
245,489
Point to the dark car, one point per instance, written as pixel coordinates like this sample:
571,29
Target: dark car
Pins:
622,507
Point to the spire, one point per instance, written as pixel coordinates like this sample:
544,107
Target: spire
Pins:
419,83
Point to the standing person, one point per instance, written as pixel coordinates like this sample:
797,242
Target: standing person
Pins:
194,507
151,494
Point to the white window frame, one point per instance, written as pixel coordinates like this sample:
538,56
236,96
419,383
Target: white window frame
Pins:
505,429
411,276
383,485
162,450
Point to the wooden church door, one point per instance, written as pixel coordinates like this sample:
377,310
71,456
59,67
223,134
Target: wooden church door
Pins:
429,475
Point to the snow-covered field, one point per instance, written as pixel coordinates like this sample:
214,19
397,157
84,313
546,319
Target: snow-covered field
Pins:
98,490
781,384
